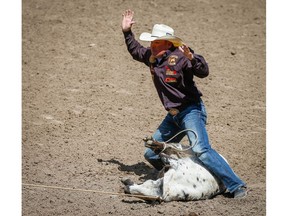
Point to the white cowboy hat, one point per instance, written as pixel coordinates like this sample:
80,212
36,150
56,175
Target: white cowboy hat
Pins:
161,32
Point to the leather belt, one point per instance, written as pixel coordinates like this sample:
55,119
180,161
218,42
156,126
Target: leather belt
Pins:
173,111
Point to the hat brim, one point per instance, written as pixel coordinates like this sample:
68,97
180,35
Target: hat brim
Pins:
145,36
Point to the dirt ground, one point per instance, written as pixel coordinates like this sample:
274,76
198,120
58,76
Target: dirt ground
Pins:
86,104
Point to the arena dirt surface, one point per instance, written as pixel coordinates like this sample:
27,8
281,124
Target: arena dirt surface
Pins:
87,104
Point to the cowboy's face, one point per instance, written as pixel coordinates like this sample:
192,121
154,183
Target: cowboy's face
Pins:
159,47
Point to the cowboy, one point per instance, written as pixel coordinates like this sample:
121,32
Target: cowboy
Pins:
173,65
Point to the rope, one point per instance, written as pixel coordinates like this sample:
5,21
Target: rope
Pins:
94,191
180,150
182,132
113,193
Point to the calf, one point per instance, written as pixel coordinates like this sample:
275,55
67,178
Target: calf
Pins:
185,178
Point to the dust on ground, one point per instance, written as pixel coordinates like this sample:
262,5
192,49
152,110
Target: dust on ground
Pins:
87,104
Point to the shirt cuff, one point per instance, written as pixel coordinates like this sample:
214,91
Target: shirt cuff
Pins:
193,61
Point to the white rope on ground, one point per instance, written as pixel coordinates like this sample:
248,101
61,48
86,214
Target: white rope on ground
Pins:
94,191
155,198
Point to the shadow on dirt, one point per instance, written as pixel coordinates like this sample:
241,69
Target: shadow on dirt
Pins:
140,169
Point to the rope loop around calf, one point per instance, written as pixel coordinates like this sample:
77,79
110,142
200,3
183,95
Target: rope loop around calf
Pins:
166,143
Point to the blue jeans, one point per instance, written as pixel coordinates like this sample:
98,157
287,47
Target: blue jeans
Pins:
194,117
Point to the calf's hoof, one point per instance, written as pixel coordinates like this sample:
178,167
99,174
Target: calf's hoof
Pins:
127,181
127,189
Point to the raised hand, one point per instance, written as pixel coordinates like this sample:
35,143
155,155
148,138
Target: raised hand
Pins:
127,20
184,48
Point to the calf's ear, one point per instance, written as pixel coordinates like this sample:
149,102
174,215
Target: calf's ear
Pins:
166,159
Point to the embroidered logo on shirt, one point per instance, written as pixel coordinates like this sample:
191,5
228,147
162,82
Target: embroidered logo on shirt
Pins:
170,72
170,80
172,60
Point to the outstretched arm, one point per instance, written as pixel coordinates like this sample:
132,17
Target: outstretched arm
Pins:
137,51
127,20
